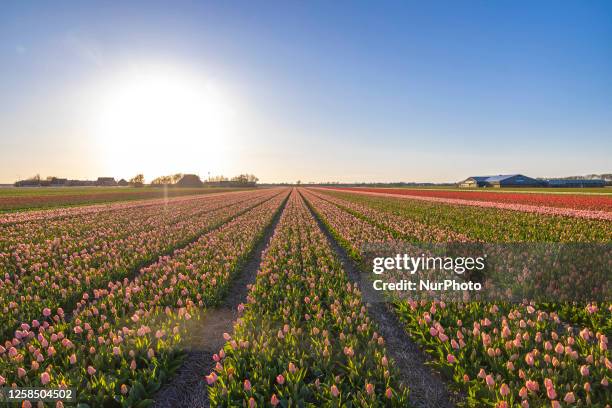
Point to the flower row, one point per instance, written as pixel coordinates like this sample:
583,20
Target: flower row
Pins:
304,337
62,285
486,224
575,201
501,354
125,340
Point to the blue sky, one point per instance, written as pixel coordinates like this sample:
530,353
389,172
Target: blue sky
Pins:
344,90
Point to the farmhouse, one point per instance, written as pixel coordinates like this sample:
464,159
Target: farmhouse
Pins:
106,181
58,181
502,180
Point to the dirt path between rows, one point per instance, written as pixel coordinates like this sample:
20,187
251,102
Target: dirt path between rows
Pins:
187,388
427,388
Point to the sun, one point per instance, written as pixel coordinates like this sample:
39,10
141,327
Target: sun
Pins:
161,120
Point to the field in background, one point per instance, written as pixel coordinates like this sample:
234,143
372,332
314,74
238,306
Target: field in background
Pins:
34,198
539,190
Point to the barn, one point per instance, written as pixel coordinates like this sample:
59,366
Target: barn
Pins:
502,180
476,181
106,181
190,180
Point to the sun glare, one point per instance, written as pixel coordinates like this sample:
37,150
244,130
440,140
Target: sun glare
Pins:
160,121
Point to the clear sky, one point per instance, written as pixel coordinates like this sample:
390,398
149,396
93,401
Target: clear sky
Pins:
309,90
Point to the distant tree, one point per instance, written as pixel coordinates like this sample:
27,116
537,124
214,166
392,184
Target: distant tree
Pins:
175,178
299,182
217,179
245,179
138,180
162,180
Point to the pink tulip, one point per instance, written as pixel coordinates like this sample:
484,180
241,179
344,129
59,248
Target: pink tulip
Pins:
91,370
334,391
274,400
504,390
569,398
584,370
280,379
211,378
45,378
532,385
450,358
389,393
252,403
247,385
369,388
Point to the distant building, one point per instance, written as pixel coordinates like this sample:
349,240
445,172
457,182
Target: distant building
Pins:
81,183
190,180
106,181
475,181
575,183
58,182
502,180
123,183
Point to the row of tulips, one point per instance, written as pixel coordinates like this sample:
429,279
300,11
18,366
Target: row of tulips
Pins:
125,340
305,338
29,247
62,285
507,355
487,224
500,354
41,199
379,220
13,217
597,202
397,226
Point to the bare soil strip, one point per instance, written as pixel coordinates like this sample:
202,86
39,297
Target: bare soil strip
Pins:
427,388
187,388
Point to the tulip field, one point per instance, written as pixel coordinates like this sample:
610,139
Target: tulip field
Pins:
498,354
20,199
101,298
